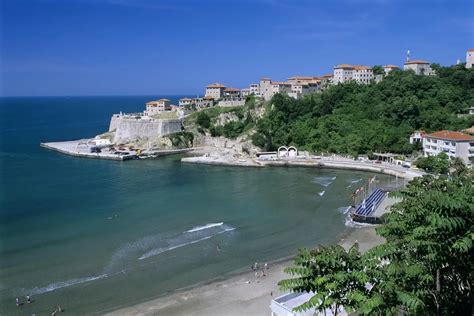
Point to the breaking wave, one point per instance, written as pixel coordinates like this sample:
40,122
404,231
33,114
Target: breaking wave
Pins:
210,225
189,237
63,284
321,193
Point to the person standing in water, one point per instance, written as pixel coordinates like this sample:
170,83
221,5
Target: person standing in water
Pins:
17,302
28,299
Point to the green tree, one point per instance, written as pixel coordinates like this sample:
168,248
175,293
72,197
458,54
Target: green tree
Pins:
203,119
436,164
335,276
426,264
425,267
378,70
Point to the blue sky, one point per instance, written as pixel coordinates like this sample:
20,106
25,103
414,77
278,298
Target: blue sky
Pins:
159,47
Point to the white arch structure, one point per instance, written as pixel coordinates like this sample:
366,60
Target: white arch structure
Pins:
287,152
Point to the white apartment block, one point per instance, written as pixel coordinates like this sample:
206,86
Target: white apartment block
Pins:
215,90
470,58
420,67
454,144
362,74
345,73
158,106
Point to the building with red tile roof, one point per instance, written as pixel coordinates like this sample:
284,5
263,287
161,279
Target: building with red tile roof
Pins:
454,144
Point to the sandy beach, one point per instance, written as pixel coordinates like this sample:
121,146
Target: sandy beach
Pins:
242,294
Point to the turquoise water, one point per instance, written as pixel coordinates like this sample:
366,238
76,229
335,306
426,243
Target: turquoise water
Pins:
94,235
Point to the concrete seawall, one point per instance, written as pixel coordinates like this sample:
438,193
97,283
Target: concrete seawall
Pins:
335,164
71,148
351,165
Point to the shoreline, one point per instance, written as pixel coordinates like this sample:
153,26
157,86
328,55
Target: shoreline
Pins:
237,293
338,163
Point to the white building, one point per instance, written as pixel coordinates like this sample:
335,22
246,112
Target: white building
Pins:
281,87
215,90
362,74
469,58
231,93
345,73
420,67
158,106
454,144
388,68
417,136
185,101
203,102
255,89
245,92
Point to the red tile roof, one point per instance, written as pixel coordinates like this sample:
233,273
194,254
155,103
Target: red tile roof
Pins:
390,66
265,79
449,135
362,67
301,78
470,50
415,62
215,85
343,66
231,90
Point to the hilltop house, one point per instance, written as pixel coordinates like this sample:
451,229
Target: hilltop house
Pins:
185,101
469,58
215,90
345,73
388,68
417,136
155,107
454,144
420,67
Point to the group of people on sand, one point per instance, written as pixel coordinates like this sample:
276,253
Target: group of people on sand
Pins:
18,303
260,271
57,309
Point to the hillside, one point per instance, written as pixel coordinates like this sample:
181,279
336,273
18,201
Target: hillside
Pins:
356,119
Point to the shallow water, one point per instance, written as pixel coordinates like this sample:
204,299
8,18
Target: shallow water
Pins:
93,235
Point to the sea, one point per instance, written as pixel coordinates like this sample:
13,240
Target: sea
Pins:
96,235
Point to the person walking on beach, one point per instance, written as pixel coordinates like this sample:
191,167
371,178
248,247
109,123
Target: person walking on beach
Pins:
265,269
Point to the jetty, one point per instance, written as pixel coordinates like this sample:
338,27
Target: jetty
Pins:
84,149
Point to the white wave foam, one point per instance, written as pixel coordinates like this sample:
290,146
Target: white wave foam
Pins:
344,209
63,284
198,228
321,193
350,223
324,181
160,250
